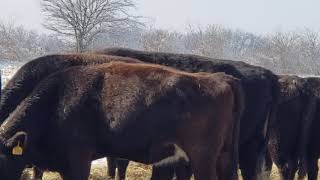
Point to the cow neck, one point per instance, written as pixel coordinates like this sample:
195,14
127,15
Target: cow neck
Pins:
26,78
33,114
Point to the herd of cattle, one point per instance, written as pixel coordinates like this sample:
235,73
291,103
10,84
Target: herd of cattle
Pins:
184,114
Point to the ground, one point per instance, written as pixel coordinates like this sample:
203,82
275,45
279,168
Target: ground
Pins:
136,171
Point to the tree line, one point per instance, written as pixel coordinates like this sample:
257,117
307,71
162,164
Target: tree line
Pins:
79,25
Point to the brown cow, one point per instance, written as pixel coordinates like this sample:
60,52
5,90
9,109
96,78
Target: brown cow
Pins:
124,110
261,97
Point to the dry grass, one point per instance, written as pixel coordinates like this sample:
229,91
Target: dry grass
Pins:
136,171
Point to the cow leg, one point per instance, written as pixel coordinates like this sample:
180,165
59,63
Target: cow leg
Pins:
227,166
204,168
283,170
312,168
203,159
37,173
251,159
112,165
292,168
183,171
122,165
301,172
162,173
224,167
247,163
268,163
176,163
288,170
79,165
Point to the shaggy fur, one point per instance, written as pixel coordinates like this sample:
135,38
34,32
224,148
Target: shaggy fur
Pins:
29,75
288,134
261,95
128,111
312,139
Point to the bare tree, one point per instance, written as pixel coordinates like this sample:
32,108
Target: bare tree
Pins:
282,50
18,43
282,44
84,19
7,42
161,40
309,50
208,42
310,44
119,37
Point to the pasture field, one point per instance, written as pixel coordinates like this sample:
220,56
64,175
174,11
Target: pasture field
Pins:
136,171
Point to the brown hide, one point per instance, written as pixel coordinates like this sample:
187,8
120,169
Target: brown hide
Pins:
128,111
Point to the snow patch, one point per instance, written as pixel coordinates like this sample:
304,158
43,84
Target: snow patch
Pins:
8,68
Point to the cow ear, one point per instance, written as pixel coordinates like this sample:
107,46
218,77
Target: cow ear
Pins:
18,143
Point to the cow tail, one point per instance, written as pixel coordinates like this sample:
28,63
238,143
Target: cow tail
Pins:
275,95
273,108
270,122
238,109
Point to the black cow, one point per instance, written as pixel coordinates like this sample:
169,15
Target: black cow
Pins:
288,133
131,111
312,140
29,75
261,95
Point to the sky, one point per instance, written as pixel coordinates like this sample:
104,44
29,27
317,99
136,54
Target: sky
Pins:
257,16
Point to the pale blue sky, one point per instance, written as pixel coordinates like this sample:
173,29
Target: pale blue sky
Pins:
259,16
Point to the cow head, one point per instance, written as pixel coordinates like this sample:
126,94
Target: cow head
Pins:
12,156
